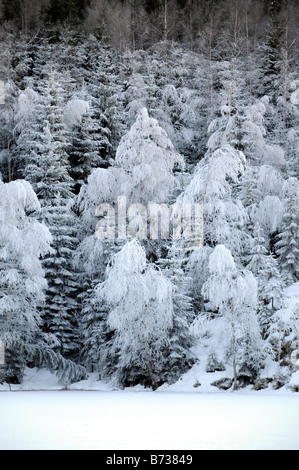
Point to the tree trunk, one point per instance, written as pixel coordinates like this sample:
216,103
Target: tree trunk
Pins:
235,384
155,384
147,359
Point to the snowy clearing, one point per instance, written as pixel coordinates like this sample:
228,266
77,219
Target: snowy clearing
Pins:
92,415
138,420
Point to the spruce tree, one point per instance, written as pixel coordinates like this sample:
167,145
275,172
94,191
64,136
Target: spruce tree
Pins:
180,355
24,241
270,284
105,90
287,244
95,334
48,170
89,145
271,50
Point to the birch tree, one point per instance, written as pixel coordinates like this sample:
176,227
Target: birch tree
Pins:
234,294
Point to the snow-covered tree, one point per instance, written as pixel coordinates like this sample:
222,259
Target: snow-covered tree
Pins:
22,285
272,293
136,90
105,89
283,330
244,129
180,357
149,159
258,253
260,192
234,295
140,315
143,337
143,172
47,168
211,186
89,146
171,94
292,150
94,333
270,284
48,133
271,50
25,118
8,155
287,245
197,269
23,242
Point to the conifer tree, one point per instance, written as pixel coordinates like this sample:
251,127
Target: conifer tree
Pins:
258,254
94,333
90,144
287,244
48,170
23,242
181,357
272,49
270,285
105,90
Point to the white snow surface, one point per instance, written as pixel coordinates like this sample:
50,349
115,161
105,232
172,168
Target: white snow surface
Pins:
41,415
192,414
85,420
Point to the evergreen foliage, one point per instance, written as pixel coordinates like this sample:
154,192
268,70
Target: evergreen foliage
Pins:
161,104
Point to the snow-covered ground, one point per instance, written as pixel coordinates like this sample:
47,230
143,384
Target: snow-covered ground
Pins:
173,418
190,414
81,420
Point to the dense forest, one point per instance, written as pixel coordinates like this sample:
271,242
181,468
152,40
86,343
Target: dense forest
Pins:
152,103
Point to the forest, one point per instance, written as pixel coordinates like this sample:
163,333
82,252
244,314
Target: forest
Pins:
110,109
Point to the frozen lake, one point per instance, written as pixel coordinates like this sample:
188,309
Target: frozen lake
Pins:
83,420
